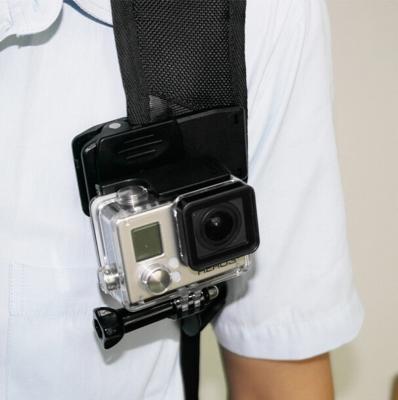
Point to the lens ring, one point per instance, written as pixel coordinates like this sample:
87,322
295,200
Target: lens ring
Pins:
219,225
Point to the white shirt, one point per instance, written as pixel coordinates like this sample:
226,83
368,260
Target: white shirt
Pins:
59,75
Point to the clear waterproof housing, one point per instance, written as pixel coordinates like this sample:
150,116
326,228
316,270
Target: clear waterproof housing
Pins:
143,244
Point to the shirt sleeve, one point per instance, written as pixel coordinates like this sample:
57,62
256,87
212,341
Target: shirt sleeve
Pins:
25,17
299,299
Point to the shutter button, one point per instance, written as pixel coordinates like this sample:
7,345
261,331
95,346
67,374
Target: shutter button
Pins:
156,278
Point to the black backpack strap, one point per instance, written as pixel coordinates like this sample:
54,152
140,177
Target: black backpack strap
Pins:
178,57
190,361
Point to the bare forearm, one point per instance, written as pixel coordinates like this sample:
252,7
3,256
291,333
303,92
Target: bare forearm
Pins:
255,379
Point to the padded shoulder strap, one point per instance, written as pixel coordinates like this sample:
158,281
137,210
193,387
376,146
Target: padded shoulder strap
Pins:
179,56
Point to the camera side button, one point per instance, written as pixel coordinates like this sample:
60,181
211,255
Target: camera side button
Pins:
156,278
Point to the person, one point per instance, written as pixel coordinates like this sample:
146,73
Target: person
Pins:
59,75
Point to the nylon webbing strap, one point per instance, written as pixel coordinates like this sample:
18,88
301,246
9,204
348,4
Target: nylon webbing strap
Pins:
177,57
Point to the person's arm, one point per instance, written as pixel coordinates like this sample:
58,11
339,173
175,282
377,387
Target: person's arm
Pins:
255,379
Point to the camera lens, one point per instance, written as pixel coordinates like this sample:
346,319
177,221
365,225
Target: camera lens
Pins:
219,225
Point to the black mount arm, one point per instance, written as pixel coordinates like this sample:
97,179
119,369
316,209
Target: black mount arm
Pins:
194,310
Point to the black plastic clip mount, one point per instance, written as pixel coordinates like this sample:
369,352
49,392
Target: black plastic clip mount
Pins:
195,311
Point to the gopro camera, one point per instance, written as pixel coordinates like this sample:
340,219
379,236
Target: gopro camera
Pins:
171,211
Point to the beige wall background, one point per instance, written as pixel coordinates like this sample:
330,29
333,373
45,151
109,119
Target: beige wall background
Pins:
365,47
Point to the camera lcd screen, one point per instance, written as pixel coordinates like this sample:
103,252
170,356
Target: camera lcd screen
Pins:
147,241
